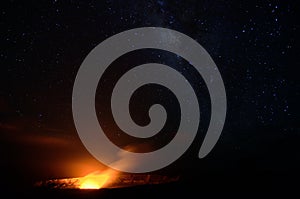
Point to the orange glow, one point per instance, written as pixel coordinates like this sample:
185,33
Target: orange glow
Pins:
96,180
106,179
93,181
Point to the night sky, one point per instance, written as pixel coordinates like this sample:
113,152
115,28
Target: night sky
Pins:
254,44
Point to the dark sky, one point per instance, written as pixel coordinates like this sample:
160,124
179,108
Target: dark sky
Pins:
254,44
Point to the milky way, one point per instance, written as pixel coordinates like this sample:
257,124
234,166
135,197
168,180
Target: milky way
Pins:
254,45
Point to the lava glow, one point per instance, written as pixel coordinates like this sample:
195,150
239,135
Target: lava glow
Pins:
93,181
106,179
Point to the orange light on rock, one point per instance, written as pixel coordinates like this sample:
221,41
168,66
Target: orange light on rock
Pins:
106,179
93,181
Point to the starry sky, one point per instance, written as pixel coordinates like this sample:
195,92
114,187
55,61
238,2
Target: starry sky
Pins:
254,44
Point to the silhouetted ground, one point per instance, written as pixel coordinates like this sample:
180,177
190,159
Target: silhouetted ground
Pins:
210,186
